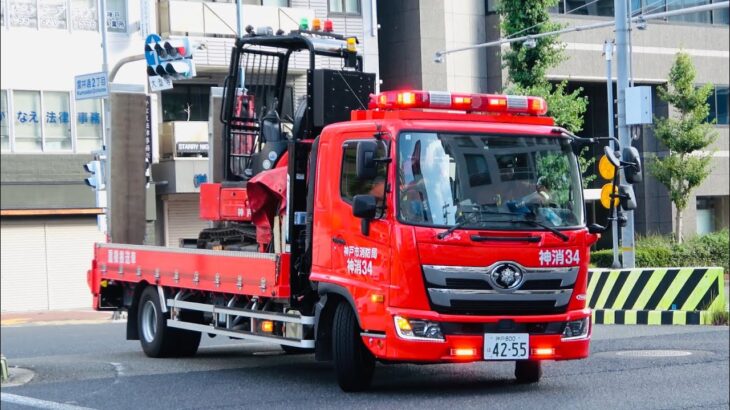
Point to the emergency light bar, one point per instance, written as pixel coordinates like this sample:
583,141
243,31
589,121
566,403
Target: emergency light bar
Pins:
492,103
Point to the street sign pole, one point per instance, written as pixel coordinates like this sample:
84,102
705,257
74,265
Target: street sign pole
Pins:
107,134
622,83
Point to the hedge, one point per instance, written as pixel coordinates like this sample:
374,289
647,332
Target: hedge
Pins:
659,251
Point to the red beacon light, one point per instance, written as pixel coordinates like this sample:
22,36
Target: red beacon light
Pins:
487,103
328,26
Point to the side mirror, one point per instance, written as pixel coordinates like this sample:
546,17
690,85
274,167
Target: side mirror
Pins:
596,228
577,144
632,162
365,207
365,167
627,197
611,155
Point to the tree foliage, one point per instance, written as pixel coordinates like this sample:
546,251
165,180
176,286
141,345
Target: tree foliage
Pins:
684,167
527,67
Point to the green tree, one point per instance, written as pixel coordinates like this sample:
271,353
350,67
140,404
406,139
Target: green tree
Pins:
686,136
528,65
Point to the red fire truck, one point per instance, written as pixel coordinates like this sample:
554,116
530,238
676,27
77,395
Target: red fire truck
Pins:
426,227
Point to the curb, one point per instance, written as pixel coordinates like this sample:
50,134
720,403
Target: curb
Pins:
18,377
51,318
4,374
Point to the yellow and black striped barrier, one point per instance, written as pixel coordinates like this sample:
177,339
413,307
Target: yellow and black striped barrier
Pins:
655,295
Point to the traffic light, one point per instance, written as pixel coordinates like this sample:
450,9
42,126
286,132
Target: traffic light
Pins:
96,180
171,59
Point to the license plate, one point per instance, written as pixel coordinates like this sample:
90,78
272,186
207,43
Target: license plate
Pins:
506,346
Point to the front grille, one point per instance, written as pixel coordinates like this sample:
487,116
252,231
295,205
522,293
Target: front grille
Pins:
539,284
468,291
480,307
458,283
503,326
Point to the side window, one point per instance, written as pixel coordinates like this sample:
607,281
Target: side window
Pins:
351,185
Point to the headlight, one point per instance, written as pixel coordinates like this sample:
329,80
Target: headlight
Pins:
414,329
577,329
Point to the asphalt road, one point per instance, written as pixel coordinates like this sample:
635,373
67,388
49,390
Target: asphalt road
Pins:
93,366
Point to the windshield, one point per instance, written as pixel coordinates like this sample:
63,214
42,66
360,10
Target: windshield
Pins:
487,181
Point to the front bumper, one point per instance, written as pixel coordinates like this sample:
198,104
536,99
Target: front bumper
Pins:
391,347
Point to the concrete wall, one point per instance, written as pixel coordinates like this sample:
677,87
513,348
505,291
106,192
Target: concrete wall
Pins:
653,51
400,45
465,25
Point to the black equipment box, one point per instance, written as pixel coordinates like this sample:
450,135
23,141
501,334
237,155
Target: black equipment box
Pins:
337,93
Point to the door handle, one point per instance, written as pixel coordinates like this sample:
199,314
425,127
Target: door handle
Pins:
338,240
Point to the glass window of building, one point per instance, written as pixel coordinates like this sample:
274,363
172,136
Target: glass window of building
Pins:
722,102
275,3
701,17
718,102
23,13
589,7
84,15
53,14
116,16
27,121
57,124
88,125
344,6
2,12
186,103
4,120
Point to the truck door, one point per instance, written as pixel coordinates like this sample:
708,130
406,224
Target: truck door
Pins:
361,262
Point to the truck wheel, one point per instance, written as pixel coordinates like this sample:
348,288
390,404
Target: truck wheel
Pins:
528,371
354,363
157,339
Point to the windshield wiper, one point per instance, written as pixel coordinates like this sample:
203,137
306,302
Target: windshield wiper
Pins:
556,232
469,219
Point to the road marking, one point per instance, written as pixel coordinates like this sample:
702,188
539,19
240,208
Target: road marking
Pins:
38,403
118,368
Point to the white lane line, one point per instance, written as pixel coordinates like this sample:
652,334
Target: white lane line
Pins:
38,403
118,368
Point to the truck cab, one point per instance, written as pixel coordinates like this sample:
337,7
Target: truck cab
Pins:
441,228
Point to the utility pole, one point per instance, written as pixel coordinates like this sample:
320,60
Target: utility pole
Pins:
239,28
608,53
622,82
107,134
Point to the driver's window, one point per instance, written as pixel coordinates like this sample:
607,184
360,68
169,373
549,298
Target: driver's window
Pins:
351,185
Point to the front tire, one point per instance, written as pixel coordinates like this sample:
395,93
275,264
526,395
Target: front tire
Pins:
528,371
156,338
354,364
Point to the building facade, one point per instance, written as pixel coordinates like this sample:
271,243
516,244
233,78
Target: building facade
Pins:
423,27
48,215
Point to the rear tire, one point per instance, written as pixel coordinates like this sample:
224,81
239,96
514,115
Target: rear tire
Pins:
354,364
528,371
156,338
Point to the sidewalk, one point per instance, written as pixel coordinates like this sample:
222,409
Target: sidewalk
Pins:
55,317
